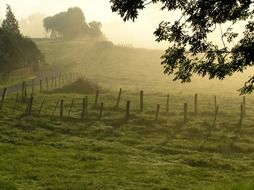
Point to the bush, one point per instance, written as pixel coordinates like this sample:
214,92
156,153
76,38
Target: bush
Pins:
80,86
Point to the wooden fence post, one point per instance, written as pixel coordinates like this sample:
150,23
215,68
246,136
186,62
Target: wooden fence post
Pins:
215,116
185,112
32,86
157,112
86,107
72,103
40,85
55,82
61,109
83,109
47,83
96,99
118,98
244,106
63,80
52,83
3,98
42,105
167,105
29,106
196,105
128,110
215,103
101,111
241,118
53,113
23,90
141,101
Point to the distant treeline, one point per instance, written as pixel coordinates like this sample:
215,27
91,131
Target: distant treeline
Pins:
72,25
16,51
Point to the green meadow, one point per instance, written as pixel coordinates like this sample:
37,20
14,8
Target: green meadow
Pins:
43,151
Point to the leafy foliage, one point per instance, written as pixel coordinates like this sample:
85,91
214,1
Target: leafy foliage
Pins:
95,30
10,53
10,24
16,51
188,37
72,24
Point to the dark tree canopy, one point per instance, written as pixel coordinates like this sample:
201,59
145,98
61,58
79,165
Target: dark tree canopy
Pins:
190,50
71,25
16,51
10,24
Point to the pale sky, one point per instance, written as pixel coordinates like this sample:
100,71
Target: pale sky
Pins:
139,34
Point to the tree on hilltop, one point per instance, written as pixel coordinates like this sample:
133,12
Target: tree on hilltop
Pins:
71,24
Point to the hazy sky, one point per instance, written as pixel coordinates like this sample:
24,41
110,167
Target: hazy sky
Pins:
139,34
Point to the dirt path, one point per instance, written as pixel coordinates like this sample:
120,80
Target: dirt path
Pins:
53,72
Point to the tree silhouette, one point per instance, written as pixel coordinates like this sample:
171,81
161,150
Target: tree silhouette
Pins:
16,51
190,50
71,25
10,24
95,30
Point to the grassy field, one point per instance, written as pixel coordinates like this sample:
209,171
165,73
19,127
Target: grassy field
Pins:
42,151
117,67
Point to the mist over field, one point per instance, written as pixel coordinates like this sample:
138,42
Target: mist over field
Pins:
87,101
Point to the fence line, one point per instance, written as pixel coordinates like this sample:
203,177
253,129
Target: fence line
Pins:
29,102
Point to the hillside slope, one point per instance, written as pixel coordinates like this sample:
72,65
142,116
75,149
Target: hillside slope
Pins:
130,68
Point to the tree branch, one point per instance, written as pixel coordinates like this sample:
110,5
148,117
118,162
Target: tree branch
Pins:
222,34
148,3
